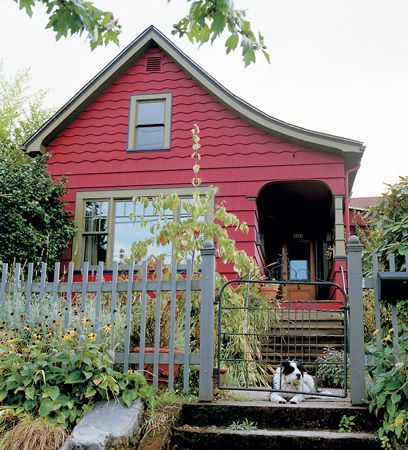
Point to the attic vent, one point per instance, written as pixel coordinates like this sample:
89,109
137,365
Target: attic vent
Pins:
153,64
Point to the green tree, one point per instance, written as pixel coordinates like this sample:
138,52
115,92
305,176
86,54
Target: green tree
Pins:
33,221
388,226
34,225
205,21
21,113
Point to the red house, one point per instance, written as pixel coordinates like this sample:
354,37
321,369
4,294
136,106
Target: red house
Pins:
127,132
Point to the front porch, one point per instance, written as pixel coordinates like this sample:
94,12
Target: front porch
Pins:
302,238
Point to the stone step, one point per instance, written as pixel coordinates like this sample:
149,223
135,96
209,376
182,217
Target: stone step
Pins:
186,437
306,415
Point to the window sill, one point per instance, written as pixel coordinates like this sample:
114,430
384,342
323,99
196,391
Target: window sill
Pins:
140,150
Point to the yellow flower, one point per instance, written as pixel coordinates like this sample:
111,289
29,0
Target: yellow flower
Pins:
26,328
375,332
92,336
387,338
49,335
107,327
36,336
66,337
85,320
71,333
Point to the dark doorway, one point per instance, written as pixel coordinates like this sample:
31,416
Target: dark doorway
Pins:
296,226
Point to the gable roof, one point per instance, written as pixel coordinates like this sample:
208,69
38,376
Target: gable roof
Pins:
351,150
363,203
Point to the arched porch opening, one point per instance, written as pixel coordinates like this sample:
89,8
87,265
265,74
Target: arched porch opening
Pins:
296,225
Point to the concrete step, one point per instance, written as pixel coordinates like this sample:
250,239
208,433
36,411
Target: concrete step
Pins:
218,438
306,415
308,425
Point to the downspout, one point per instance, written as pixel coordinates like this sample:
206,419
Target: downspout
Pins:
347,199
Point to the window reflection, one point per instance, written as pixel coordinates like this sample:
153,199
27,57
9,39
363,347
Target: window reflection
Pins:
298,270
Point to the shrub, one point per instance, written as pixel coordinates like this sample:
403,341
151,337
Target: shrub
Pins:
57,374
330,368
34,225
389,391
61,378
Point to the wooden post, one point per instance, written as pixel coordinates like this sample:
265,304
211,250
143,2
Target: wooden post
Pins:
207,323
357,354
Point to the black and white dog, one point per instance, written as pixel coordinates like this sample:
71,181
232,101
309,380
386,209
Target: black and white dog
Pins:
292,376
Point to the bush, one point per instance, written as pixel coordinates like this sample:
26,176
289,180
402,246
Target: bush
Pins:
34,225
330,368
61,378
55,374
389,392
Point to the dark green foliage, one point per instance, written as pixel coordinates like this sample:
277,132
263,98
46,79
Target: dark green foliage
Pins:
388,227
33,223
330,368
389,392
60,382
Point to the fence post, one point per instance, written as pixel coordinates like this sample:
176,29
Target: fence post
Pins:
357,354
207,322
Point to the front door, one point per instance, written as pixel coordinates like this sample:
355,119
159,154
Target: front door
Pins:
298,265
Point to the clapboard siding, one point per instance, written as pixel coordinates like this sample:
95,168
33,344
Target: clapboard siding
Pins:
237,157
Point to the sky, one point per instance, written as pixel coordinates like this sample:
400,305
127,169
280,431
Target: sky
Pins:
337,66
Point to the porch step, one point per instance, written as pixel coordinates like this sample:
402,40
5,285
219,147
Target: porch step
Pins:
304,426
304,334
223,439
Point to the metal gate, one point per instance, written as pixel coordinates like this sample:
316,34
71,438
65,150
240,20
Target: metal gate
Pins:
255,336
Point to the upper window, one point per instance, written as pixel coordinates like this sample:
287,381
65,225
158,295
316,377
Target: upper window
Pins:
149,122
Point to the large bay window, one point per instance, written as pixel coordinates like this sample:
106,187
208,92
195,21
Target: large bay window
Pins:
106,233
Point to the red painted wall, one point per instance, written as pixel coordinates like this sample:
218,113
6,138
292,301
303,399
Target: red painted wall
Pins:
237,157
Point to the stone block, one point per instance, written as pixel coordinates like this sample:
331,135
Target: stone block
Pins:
108,425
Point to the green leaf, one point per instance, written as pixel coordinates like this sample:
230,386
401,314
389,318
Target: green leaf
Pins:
232,42
75,377
129,396
29,392
53,392
46,407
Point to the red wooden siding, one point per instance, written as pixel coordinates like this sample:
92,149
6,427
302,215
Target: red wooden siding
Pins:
237,157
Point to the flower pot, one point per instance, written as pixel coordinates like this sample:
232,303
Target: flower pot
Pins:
163,368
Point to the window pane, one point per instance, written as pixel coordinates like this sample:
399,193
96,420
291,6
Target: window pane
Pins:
150,112
298,270
95,248
96,216
150,137
127,232
184,215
